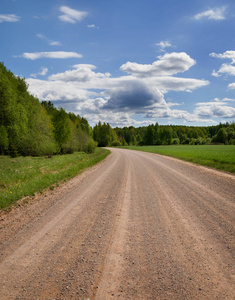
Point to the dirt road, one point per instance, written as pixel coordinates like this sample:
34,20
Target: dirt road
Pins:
136,226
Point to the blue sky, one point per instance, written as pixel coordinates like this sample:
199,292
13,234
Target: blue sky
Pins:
126,62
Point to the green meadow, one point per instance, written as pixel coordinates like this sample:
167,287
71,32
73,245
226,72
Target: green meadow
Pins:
24,176
221,157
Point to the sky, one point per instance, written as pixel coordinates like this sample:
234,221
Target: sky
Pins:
125,62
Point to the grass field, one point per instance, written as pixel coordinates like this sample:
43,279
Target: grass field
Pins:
24,176
221,157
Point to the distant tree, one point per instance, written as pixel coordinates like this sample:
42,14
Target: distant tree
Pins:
104,134
221,136
4,142
149,136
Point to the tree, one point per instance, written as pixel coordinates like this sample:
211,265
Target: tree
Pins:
104,134
4,142
221,136
62,128
149,136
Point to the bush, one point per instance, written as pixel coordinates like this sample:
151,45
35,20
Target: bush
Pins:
116,143
176,141
90,147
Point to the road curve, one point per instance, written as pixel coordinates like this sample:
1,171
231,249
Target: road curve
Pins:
136,226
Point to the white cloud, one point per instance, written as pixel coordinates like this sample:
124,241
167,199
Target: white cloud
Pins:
82,73
216,14
224,100
43,72
91,26
227,68
214,109
58,91
167,113
50,42
226,55
168,83
56,54
168,64
9,18
163,45
55,43
231,86
72,15
215,74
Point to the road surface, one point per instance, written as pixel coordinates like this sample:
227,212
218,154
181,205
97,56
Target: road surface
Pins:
136,226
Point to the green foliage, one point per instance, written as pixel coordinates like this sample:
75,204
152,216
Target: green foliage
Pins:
221,136
62,128
29,127
176,134
39,138
4,142
90,146
104,134
116,144
225,135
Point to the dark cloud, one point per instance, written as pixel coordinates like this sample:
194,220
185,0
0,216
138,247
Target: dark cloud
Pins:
133,96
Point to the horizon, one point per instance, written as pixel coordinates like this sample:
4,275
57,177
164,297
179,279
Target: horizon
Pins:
126,63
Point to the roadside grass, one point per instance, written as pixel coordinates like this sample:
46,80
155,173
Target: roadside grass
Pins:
24,176
221,157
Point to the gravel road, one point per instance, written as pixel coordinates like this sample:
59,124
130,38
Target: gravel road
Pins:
135,226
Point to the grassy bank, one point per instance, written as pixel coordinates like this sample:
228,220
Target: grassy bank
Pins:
24,176
221,157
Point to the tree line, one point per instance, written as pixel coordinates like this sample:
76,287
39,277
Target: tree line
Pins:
28,127
156,134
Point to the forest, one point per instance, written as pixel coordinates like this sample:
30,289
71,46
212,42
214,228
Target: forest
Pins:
28,127
164,135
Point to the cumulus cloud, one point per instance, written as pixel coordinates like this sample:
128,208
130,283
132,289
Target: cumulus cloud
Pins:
50,42
168,113
231,86
9,18
43,72
82,73
55,54
214,109
133,96
72,15
168,64
163,45
227,69
224,69
216,14
226,55
168,83
57,90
